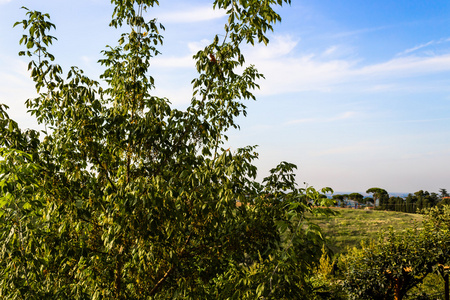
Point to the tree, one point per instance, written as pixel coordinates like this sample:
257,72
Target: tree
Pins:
126,197
386,268
389,267
423,199
444,197
344,200
410,203
356,197
369,201
339,199
378,194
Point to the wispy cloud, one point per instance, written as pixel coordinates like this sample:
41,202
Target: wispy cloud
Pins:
301,73
279,45
340,117
407,66
15,88
177,96
424,45
416,48
173,62
185,61
196,46
359,31
329,51
288,72
191,15
422,120
4,1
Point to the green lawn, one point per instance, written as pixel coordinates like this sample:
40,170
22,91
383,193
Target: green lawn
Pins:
350,226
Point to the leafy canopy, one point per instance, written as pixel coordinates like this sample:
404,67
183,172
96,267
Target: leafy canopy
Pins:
125,197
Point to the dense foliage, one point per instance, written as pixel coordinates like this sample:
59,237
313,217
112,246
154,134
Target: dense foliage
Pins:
125,197
389,267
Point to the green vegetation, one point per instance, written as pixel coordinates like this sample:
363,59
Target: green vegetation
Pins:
379,195
409,261
351,226
392,265
412,203
125,197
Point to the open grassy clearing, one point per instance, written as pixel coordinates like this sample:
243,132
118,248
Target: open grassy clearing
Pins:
350,226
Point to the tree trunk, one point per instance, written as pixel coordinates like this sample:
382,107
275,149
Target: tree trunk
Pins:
447,297
398,295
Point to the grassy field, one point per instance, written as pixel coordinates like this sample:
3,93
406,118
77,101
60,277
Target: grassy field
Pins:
350,226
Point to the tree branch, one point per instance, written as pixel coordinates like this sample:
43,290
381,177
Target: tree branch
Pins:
166,275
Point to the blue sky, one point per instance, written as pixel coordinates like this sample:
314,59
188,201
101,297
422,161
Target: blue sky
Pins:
357,93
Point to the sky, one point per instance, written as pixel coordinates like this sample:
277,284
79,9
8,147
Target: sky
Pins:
357,93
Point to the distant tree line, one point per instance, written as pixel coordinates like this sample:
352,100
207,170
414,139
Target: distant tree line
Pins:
410,204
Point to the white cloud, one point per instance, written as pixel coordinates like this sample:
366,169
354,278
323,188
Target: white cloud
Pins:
345,116
196,14
415,48
173,62
16,87
186,61
301,73
329,51
289,72
194,47
381,87
177,96
359,31
407,66
4,1
422,120
87,60
278,46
